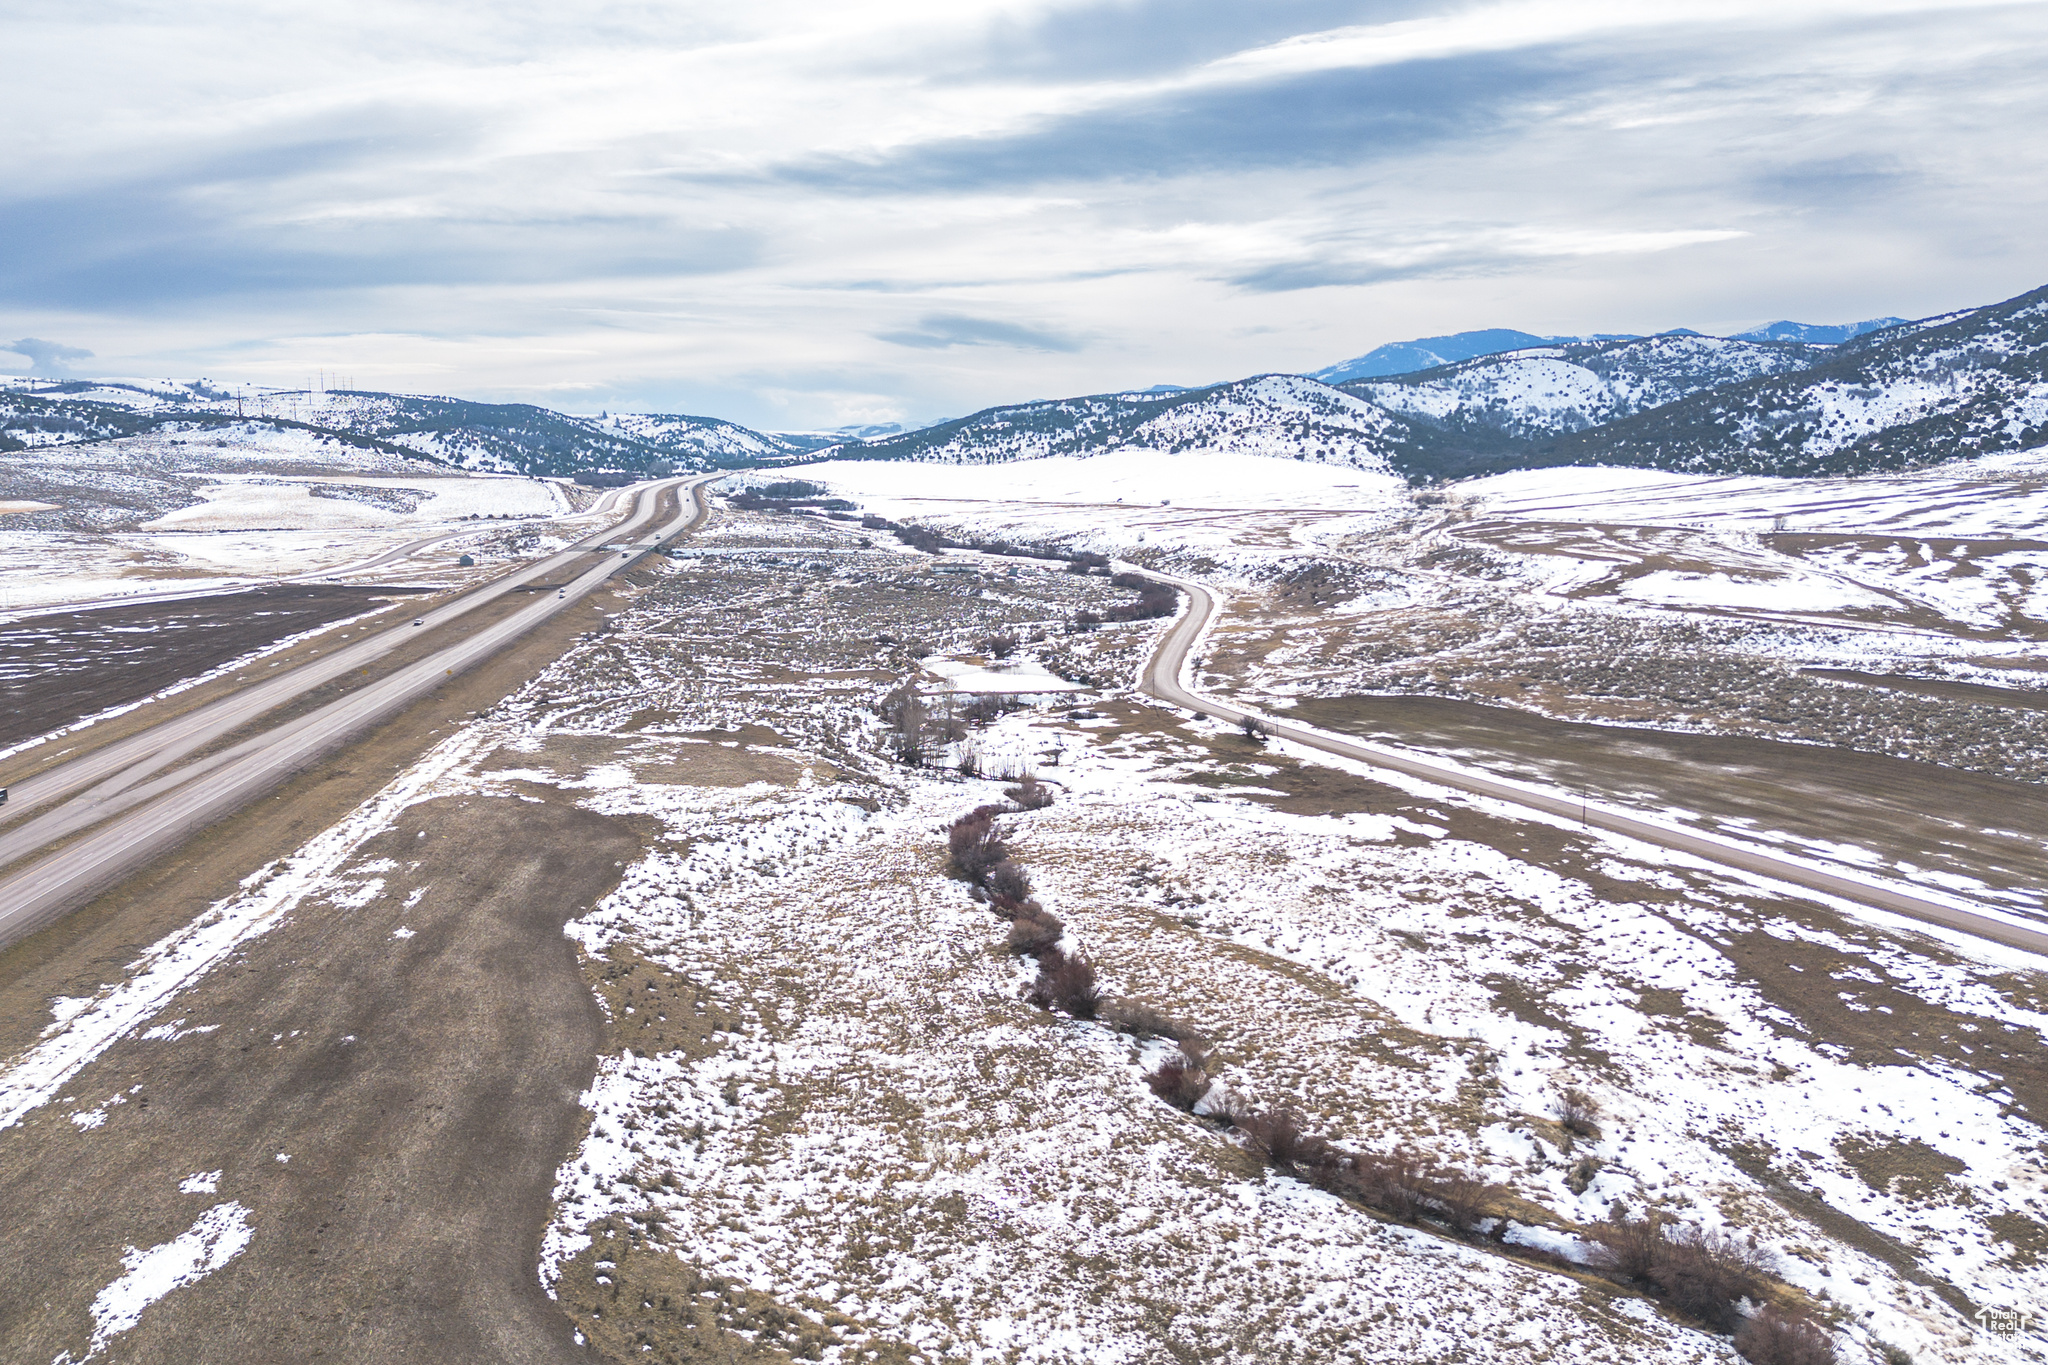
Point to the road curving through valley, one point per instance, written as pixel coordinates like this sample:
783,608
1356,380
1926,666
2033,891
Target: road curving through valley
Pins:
1165,677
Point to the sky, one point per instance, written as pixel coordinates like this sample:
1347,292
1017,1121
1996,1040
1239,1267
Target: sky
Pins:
797,214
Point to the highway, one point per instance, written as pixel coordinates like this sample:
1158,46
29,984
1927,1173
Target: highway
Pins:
1164,677
119,765
140,810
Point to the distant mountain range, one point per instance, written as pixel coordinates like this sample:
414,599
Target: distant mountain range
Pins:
1891,396
488,437
1816,334
1786,398
1406,357
1284,416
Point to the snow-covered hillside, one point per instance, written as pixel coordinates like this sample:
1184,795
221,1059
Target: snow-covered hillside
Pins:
1818,334
1947,388
515,438
709,438
1425,353
1548,390
1278,416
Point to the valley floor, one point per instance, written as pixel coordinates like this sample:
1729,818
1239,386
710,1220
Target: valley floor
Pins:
774,1091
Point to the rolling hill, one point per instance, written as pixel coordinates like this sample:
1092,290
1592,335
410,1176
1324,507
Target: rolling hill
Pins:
1277,415
1945,388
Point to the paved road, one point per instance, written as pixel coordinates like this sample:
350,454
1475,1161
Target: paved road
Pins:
406,551
161,813
598,508
111,771
1164,678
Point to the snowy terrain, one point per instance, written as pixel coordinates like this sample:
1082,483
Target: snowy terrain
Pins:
704,437
219,506
1548,390
1276,416
865,1127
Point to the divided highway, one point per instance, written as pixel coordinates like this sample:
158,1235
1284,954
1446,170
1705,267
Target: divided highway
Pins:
154,810
1164,678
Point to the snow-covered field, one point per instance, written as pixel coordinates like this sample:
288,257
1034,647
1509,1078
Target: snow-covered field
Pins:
1123,498
874,1134
242,502
188,511
1999,496
1960,548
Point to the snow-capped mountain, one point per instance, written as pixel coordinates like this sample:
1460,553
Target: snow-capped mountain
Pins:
1549,390
1279,415
708,438
1426,353
1945,388
1816,334
1898,394
490,437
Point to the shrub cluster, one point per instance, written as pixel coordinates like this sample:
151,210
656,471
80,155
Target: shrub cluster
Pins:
1577,1113
1183,1079
1155,599
987,706
976,844
1776,1338
931,542
1402,1184
1705,1273
1029,793
1066,983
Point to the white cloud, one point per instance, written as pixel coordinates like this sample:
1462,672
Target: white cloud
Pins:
750,209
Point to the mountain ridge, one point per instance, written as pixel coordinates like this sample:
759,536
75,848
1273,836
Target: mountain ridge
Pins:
1897,394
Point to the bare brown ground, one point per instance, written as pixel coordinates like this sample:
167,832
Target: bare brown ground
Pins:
59,666
423,1089
1919,813
94,944
406,1224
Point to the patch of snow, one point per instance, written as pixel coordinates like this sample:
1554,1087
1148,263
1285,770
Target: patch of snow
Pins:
221,1234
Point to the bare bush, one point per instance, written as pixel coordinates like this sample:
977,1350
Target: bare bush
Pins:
1709,1271
1776,1338
1628,1247
1402,1185
1181,1081
1578,1113
1463,1198
1281,1136
969,762
1703,1272
988,706
976,843
1008,880
1010,908
904,713
1142,1021
1066,983
998,646
1030,935
1254,729
1029,793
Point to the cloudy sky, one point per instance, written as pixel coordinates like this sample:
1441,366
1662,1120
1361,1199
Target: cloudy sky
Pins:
796,213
